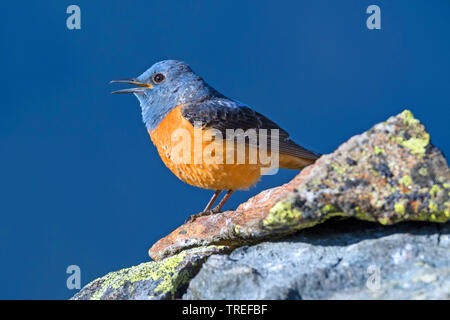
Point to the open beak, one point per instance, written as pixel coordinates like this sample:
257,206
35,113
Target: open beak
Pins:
141,86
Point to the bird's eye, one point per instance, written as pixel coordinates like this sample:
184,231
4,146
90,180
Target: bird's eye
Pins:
158,78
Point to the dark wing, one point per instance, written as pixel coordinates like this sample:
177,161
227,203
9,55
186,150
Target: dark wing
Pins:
222,114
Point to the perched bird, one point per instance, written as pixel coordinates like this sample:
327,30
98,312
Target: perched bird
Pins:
189,121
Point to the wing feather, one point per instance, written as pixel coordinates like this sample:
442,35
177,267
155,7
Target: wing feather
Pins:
222,114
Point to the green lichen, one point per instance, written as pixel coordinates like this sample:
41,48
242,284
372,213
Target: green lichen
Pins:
399,208
423,171
447,209
379,150
384,221
433,206
406,181
328,209
439,216
408,118
333,214
340,170
435,215
417,145
365,216
237,230
282,214
398,140
164,272
438,213
375,173
435,190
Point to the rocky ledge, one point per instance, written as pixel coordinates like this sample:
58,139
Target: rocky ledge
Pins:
391,174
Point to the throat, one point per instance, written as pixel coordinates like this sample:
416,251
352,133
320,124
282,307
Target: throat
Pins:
156,108
152,117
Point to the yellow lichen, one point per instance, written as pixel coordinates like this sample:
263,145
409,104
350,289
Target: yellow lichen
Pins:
281,214
383,221
406,180
423,171
434,190
447,210
417,145
237,229
436,215
340,170
408,118
165,272
328,208
399,208
432,206
378,150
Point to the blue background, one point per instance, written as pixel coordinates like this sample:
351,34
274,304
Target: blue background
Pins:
81,182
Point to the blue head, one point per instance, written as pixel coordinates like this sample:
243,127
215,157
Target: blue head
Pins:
164,86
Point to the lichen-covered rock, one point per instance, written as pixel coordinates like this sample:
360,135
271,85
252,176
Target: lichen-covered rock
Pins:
388,174
157,280
391,173
348,259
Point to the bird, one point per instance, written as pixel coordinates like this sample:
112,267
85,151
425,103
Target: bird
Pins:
188,121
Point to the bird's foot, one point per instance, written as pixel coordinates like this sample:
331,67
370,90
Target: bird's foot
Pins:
193,217
215,210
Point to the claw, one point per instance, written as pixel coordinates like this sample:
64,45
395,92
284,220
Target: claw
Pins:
193,217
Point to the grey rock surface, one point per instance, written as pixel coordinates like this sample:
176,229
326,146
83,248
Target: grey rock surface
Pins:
338,260
155,280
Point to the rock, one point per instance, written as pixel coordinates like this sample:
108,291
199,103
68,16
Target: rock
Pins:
388,174
336,260
157,280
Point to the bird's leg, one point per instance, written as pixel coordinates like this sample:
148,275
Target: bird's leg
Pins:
207,209
222,202
213,200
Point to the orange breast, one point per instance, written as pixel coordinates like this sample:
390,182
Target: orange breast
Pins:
193,156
